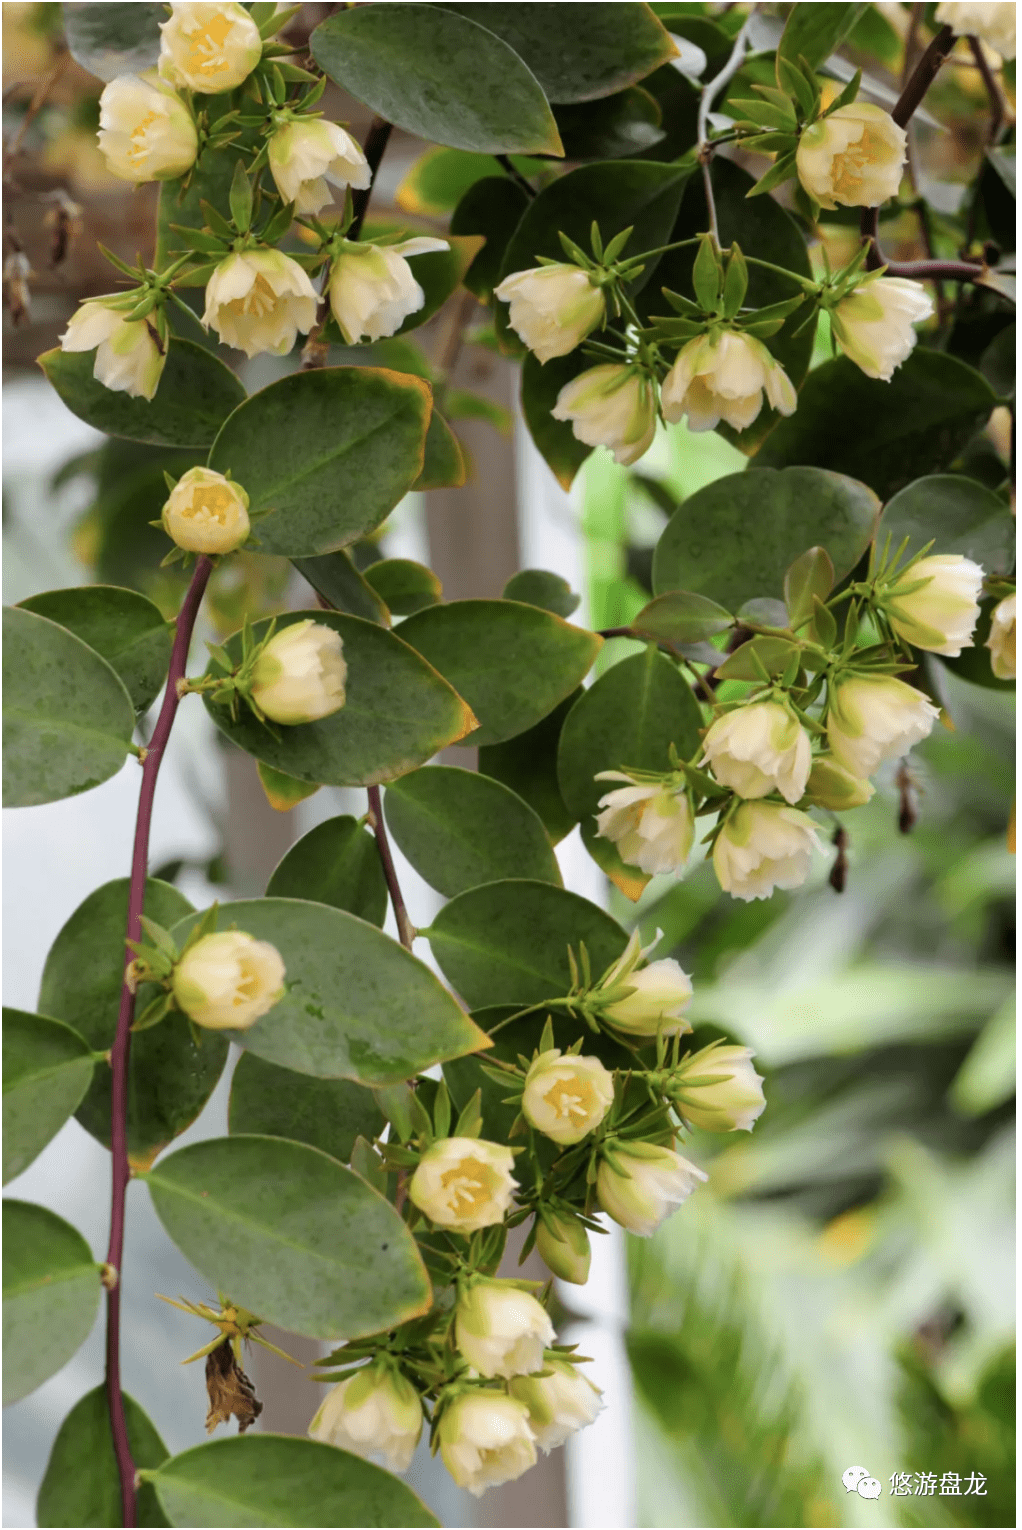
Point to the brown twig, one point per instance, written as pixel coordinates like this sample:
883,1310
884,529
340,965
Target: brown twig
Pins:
405,927
504,161
992,88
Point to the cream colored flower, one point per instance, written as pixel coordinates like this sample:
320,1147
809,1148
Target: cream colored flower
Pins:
763,846
725,379
1001,641
226,982
464,1183
758,749
375,1412
566,1098
206,512
501,1330
553,308
208,47
941,614
308,155
299,676
853,157
660,994
258,300
559,1403
146,132
563,1245
651,824
994,24
372,290
873,325
719,1090
128,355
871,718
644,1184
485,1439
832,786
613,406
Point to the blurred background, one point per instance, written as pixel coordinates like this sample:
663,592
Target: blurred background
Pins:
841,1292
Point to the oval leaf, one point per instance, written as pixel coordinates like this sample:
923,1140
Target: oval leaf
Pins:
325,1113
492,207
398,712
47,1069
459,829
528,765
342,586
403,585
444,465
343,977
109,40
330,452
682,617
336,863
67,718
82,1485
538,587
124,628
51,1295
292,1235
957,515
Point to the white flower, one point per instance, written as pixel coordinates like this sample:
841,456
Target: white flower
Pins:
833,786
226,982
725,379
566,1098
206,512
372,289
308,156
485,1440
758,749
871,718
559,1403
553,308
940,615
146,132
464,1183
763,846
375,1412
258,300
500,1330
873,324
299,676
1001,641
660,994
995,24
651,824
644,1184
128,357
853,157
612,406
719,1090
208,47
563,1244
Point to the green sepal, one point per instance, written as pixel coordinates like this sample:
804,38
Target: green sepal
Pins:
240,198
215,221
847,96
706,275
153,1013
736,283
781,171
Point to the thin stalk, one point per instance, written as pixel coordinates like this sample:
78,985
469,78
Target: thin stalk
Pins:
710,91
121,1050
405,927
992,88
504,161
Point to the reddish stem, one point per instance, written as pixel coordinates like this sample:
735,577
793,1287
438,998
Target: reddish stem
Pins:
121,1050
405,927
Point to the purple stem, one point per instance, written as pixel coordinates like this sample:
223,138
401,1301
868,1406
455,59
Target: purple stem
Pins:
120,1052
405,927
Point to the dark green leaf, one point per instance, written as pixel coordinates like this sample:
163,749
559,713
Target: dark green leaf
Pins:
47,1069
51,1295
748,662
82,1485
957,516
492,207
811,576
404,586
537,587
528,765
814,31
325,1113
681,617
336,863
444,465
336,578
622,126
109,40
291,1234
123,627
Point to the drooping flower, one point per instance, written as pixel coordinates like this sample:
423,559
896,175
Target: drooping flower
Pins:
612,406
485,1439
719,1090
833,786
566,1098
206,512
651,824
559,1403
227,981
129,356
762,846
375,1412
300,675
725,379
871,718
941,614
553,308
993,24
854,157
146,133
1001,641
258,300
501,1330
209,47
873,325
372,290
643,1184
308,156
759,748
464,1183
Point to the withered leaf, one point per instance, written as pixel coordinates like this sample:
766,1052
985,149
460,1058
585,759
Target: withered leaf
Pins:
230,1391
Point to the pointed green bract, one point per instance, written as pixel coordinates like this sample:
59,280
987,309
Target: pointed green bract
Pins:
51,1295
47,1069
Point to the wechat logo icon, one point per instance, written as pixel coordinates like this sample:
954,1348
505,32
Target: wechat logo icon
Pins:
858,1480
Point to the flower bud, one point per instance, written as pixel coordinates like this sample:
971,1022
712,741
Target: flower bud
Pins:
258,300
758,749
941,614
559,1403
375,1412
993,24
128,357
299,676
1001,641
464,1183
485,1439
613,406
308,156
871,718
644,1184
725,379
719,1090
206,512
831,786
659,995
566,1098
563,1245
873,325
208,47
501,1330
226,982
763,846
651,824
553,308
372,290
146,132
853,157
